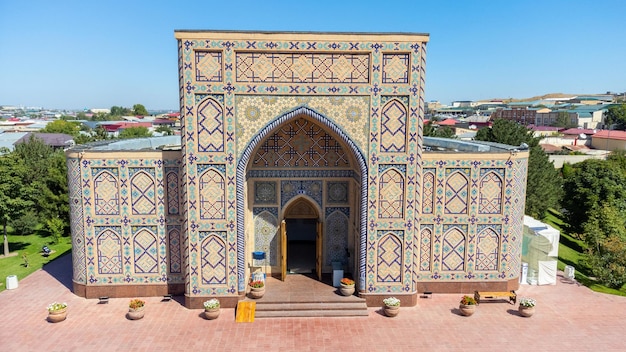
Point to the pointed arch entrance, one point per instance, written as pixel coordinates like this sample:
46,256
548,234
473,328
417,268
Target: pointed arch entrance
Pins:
339,171
301,238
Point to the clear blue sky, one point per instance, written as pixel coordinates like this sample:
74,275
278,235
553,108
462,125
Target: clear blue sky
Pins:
96,54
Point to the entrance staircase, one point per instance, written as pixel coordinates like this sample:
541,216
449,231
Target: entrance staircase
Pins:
303,296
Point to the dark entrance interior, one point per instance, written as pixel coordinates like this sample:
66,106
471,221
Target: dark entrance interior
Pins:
301,235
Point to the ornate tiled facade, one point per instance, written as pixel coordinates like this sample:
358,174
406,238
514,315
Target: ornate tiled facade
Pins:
276,125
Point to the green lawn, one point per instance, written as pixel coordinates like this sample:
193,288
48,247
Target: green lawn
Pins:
571,252
31,247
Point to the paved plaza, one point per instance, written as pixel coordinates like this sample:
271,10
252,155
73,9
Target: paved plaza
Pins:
569,317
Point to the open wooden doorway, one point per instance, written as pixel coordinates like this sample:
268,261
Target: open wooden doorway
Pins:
301,240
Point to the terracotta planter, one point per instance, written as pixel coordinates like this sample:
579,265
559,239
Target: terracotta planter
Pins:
346,290
526,311
211,314
467,309
57,315
256,292
135,313
391,311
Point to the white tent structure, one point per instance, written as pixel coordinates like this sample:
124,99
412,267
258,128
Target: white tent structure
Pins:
540,250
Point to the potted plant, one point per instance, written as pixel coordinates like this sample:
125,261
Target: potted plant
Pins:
212,309
57,312
526,307
392,306
467,305
346,286
136,309
257,288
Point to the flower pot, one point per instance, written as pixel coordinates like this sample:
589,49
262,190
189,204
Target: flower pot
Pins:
257,292
391,311
526,311
467,309
57,315
212,313
346,290
135,313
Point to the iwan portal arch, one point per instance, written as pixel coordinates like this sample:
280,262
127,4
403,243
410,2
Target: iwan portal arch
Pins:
186,219
312,157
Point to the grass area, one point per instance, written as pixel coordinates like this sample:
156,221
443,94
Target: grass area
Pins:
572,252
30,246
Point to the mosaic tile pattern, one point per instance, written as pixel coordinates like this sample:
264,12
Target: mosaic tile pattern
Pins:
142,194
292,189
391,194
300,143
396,68
266,237
208,66
487,246
172,191
213,259
425,248
337,192
264,192
106,193
491,191
457,184
302,67
109,253
76,221
428,191
210,126
393,127
336,235
453,251
175,249
212,195
389,257
145,253
254,112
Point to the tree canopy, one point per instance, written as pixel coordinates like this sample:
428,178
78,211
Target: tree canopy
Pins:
616,114
543,186
135,132
140,110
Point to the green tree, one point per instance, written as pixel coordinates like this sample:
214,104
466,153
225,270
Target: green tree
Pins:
12,204
135,132
62,126
543,187
563,120
616,114
605,235
432,130
55,227
140,110
25,224
167,131
592,183
120,111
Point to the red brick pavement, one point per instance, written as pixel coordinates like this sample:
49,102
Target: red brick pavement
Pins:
568,317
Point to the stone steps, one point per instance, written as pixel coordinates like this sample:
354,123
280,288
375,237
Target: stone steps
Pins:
338,308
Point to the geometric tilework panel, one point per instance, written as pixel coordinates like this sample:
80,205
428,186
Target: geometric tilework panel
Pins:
208,66
336,237
389,259
302,68
265,236
487,250
453,253
265,192
456,192
175,255
145,253
391,202
213,260
76,221
425,249
106,194
428,192
210,126
393,127
172,193
254,112
109,253
212,195
300,143
143,194
396,68
490,193
337,192
293,188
